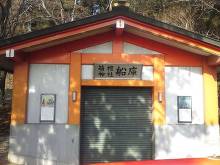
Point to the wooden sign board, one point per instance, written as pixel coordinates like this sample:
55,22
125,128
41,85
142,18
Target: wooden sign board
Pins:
117,71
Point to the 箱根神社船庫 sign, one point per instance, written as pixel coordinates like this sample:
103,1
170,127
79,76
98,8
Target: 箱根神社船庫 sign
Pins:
117,71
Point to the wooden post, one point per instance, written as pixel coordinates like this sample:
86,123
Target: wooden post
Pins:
75,86
159,91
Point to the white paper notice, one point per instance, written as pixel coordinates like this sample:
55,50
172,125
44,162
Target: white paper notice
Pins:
48,102
185,115
47,113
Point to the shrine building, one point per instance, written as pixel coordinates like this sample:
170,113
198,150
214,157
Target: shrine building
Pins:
110,88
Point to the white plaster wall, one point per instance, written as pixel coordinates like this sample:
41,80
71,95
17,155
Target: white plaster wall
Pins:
184,81
134,49
102,48
195,140
48,78
87,72
186,141
147,73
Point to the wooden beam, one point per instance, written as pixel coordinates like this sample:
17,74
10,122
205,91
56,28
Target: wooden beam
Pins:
119,32
213,60
58,35
173,36
157,31
6,64
117,46
118,83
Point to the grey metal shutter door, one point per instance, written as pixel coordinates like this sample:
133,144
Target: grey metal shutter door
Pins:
116,124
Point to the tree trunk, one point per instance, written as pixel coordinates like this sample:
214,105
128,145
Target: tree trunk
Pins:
2,85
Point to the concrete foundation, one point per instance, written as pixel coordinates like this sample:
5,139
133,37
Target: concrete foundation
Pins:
44,144
58,144
186,141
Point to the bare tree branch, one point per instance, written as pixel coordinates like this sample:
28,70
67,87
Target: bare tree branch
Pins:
48,12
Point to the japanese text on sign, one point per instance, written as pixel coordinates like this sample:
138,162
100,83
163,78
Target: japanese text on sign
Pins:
117,71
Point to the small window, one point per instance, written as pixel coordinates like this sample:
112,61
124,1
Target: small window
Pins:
184,109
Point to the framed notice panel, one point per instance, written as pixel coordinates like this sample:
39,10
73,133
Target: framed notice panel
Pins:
184,109
118,71
47,107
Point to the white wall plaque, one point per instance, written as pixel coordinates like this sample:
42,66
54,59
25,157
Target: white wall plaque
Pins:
120,24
